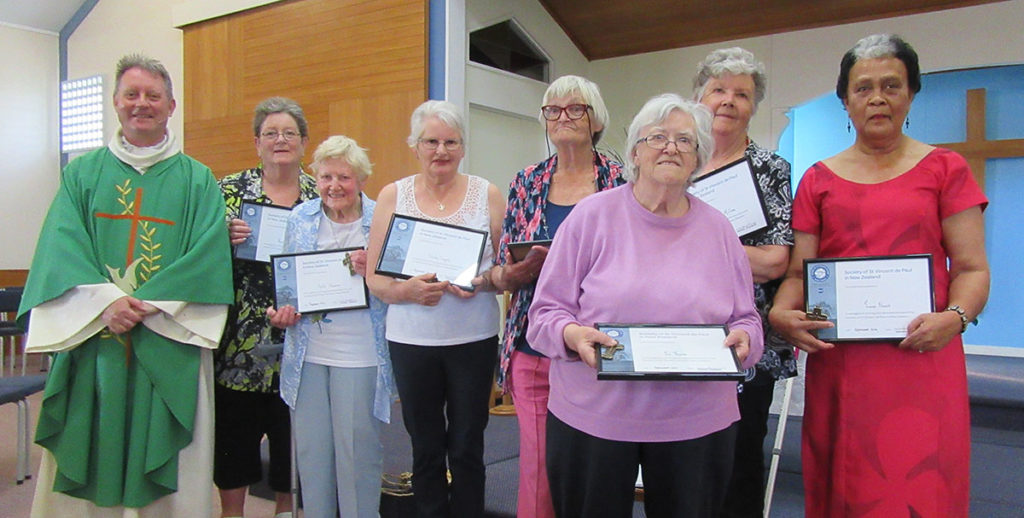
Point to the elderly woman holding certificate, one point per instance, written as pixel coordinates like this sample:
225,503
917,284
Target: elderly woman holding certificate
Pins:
443,337
248,404
607,264
875,410
336,371
731,82
541,196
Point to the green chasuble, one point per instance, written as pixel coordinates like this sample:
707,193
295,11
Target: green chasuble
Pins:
117,409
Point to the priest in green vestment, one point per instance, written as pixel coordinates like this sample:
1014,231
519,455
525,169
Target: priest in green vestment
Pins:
129,286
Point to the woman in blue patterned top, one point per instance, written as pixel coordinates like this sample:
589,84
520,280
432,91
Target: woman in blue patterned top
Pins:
732,82
336,370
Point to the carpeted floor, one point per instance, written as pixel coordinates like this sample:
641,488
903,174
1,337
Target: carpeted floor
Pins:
997,449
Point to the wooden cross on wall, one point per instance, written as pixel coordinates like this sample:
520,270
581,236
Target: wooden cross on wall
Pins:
977,148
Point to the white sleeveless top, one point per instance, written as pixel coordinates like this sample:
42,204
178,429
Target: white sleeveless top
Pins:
453,321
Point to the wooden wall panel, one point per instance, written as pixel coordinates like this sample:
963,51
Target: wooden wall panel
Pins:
13,277
357,67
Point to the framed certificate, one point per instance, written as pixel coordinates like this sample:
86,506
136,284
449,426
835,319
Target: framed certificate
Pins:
268,224
667,352
318,282
415,246
520,250
868,298
733,190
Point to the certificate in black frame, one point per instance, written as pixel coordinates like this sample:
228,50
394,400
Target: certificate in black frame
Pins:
621,367
757,190
819,277
519,250
394,252
251,212
286,291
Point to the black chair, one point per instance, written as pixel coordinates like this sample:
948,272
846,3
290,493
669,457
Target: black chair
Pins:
17,389
10,299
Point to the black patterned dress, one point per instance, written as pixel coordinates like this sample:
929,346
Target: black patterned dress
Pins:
236,364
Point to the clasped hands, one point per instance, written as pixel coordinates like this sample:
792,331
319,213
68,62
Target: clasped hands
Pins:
124,313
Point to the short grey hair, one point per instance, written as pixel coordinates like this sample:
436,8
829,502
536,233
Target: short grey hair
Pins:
587,90
735,61
443,111
273,105
655,111
146,63
879,46
344,148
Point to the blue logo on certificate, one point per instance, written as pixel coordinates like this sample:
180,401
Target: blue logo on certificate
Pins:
284,265
820,273
402,225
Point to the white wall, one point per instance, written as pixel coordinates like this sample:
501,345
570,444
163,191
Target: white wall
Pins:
118,27
804,64
30,171
504,133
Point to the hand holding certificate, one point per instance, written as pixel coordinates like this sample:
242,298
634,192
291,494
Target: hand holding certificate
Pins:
868,298
415,246
668,352
318,282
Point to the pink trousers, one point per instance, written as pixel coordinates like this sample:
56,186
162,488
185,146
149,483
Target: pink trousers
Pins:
529,380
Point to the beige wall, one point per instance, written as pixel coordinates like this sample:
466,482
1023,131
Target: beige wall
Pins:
803,65
29,174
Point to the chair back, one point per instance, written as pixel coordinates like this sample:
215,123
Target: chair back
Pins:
10,299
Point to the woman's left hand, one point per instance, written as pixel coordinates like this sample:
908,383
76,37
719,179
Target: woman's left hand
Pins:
931,331
358,258
739,340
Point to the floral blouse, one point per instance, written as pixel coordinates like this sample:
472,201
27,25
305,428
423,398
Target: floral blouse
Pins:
237,365
524,221
772,173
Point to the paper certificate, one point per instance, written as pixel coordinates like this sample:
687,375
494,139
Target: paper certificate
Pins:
868,298
416,246
733,190
268,224
318,282
520,250
668,352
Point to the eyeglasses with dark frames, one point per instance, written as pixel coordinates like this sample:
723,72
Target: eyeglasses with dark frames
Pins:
573,111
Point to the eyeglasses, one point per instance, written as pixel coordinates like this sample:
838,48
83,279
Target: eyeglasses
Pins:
433,143
289,135
684,144
573,111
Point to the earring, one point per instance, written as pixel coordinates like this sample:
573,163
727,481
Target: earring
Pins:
847,125
906,123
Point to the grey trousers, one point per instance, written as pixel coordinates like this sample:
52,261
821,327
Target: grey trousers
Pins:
338,448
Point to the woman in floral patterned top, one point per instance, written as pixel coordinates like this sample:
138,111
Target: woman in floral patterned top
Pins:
247,363
731,82
574,116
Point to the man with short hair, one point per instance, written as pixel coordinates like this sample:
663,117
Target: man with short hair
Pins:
129,286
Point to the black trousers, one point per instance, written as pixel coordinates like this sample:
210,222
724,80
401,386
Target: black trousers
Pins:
444,392
594,478
745,497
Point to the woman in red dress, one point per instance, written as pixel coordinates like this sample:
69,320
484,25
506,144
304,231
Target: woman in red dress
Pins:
886,429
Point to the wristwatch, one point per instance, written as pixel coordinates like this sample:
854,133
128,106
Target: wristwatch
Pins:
963,316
